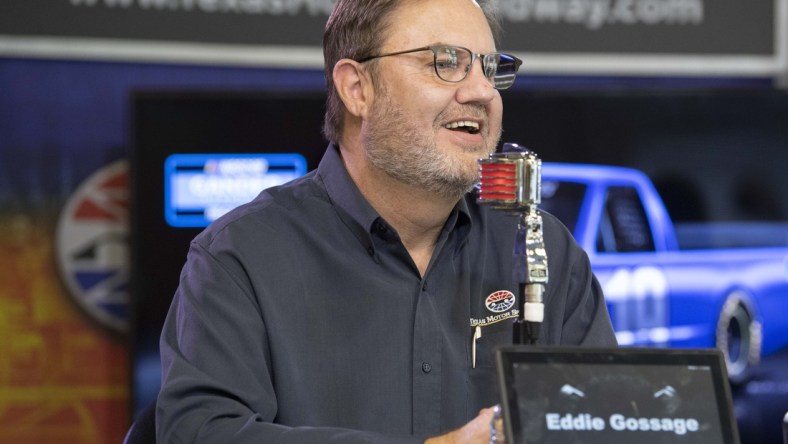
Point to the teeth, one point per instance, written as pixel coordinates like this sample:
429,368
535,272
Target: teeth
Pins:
462,123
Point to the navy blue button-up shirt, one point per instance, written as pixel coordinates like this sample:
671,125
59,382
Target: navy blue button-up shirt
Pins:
300,317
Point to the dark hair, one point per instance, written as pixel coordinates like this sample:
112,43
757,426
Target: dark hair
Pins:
357,29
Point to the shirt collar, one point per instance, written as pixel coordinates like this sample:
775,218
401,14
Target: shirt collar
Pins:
354,209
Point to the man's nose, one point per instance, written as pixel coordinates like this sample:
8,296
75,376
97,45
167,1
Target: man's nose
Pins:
476,87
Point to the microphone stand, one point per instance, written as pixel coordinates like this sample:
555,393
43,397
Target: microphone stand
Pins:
511,181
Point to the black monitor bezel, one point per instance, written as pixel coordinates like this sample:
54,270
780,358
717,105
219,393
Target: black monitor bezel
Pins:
508,356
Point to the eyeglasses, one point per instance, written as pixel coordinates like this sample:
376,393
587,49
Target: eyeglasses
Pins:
453,63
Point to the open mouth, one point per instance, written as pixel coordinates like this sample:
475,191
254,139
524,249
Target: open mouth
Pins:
463,125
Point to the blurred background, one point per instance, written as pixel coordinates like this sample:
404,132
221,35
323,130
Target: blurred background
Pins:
97,96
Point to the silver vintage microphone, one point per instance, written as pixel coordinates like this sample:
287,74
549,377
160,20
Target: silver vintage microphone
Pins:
511,181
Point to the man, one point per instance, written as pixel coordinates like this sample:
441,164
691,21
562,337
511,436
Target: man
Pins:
350,305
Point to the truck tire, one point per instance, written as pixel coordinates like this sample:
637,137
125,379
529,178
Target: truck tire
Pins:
739,338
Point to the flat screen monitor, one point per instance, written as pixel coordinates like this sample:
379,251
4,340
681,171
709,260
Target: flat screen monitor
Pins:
602,396
671,136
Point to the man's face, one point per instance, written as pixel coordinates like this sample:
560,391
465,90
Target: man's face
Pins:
412,132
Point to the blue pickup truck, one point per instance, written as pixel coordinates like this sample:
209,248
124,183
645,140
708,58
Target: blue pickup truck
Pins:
659,294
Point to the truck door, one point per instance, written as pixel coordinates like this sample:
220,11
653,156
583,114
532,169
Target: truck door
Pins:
625,263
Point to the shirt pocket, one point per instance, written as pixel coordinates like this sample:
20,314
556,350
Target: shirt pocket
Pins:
483,387
492,336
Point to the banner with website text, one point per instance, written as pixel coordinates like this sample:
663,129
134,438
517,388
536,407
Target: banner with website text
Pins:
714,37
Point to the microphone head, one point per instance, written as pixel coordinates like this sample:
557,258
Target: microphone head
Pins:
510,179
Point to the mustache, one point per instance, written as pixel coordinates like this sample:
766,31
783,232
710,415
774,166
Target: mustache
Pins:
462,111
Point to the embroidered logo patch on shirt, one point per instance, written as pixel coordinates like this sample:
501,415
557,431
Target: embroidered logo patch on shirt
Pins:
500,301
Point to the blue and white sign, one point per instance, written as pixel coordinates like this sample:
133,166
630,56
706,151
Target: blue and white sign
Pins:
199,188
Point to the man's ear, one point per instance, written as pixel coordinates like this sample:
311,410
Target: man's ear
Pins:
354,87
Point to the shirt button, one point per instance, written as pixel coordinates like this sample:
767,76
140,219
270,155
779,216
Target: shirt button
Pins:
371,251
426,367
424,287
381,228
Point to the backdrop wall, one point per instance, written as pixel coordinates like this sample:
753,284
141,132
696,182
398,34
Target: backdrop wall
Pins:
65,130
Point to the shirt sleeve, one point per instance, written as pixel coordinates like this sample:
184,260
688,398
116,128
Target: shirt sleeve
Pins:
217,384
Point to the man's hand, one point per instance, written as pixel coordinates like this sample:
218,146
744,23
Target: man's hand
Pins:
477,431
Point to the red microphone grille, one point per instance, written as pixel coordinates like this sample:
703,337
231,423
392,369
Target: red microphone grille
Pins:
498,181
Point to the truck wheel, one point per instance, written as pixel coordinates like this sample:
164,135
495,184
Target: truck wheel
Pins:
739,338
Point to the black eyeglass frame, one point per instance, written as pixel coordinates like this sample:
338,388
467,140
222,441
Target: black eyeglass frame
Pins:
474,55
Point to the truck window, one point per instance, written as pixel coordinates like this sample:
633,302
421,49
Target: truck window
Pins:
624,226
563,200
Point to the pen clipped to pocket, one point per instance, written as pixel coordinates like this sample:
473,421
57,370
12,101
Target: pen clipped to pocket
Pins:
484,339
477,334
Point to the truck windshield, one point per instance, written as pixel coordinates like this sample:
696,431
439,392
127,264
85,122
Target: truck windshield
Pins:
562,200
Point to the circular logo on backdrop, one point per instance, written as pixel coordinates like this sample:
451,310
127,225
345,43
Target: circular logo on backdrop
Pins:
500,301
92,246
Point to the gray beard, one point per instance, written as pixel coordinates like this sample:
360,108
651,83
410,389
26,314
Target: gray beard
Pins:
409,156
